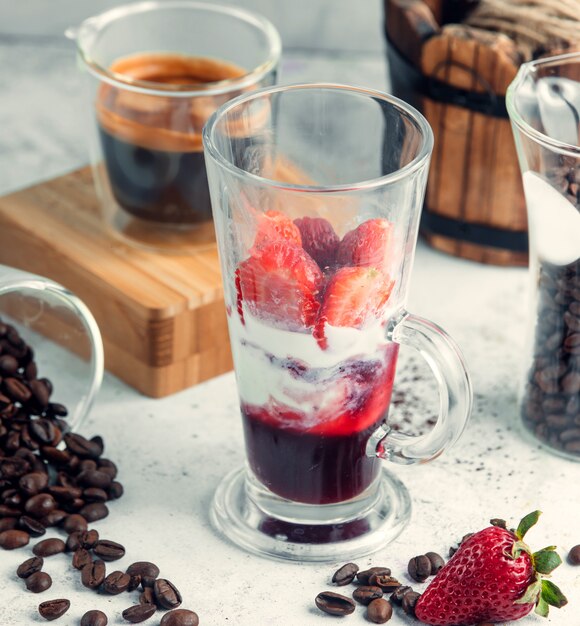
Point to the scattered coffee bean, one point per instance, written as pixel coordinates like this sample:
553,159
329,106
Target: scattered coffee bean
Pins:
95,511
49,547
93,574
81,557
53,609
38,582
82,539
83,448
166,594
116,490
13,539
74,523
397,596
385,582
409,602
365,594
379,611
364,576
8,523
109,550
32,526
54,518
419,568
180,617
33,483
95,478
94,494
139,613
29,567
147,596
345,575
334,604
40,505
574,555
134,582
116,582
436,560
94,618
143,568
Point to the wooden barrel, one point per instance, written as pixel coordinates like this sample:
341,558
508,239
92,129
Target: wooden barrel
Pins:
457,76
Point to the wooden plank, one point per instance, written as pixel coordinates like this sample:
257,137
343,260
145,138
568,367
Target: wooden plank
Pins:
408,23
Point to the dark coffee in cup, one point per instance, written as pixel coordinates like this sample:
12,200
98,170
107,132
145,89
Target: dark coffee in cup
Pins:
152,143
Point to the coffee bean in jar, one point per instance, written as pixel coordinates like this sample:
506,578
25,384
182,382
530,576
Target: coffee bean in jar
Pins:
550,405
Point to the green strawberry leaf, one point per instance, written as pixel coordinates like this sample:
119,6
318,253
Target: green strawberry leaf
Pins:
542,607
552,594
546,560
526,523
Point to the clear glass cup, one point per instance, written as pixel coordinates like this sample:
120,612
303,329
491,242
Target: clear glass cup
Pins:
155,72
544,106
316,220
63,334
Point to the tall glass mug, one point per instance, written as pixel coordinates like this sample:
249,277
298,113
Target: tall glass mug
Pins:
316,223
156,72
544,106
46,332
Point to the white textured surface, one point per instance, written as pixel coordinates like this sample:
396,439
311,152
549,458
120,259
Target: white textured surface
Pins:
172,452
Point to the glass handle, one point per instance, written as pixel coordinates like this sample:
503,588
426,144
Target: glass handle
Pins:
455,394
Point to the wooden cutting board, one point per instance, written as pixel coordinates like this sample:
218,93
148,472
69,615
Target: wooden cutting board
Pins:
162,316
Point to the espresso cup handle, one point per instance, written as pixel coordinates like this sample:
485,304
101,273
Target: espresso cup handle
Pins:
455,393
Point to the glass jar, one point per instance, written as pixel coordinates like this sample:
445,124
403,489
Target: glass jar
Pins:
544,107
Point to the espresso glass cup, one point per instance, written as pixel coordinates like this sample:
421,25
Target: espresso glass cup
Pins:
66,344
544,106
156,71
316,214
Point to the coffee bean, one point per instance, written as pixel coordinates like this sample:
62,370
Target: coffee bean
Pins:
93,574
345,574
8,523
107,466
365,594
32,526
143,568
8,365
81,557
116,582
574,555
9,511
40,505
364,576
334,604
397,596
409,602
49,547
16,390
83,448
139,613
45,432
74,523
109,550
419,568
57,410
94,618
180,617
134,582
94,512
13,539
379,611
95,479
29,567
386,583
54,518
147,596
38,582
33,483
53,609
94,494
40,393
116,490
436,561
166,594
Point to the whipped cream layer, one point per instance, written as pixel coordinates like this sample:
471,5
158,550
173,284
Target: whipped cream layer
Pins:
277,367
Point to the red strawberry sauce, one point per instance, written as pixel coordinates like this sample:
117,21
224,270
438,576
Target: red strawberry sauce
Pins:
325,462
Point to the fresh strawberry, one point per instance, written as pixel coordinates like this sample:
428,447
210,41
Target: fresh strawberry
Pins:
493,577
352,296
274,225
368,245
318,239
279,284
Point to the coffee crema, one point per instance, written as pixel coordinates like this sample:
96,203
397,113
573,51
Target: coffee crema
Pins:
152,143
